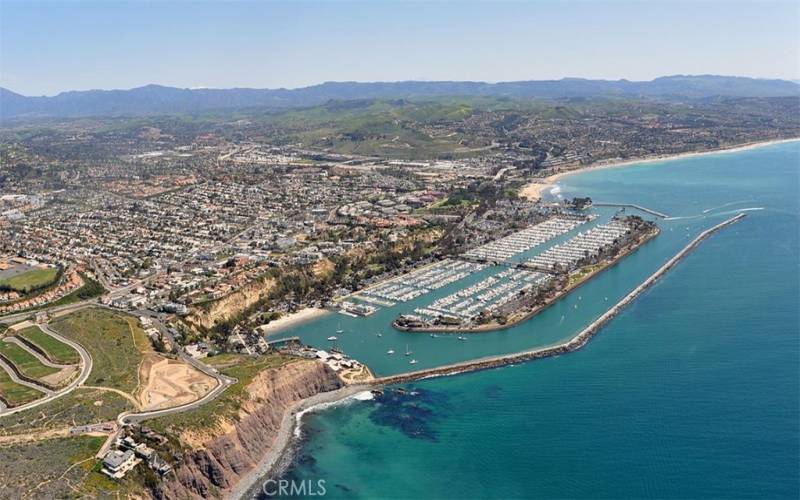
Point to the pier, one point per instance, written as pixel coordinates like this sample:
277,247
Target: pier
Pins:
630,205
575,343
285,340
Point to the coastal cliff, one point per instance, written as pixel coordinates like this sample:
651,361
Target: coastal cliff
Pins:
223,452
232,304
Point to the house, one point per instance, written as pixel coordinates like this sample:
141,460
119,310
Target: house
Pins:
118,463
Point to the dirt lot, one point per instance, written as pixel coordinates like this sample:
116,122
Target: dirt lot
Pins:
168,383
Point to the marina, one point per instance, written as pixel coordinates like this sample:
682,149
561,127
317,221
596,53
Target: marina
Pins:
567,256
420,282
504,248
517,293
574,343
455,296
489,296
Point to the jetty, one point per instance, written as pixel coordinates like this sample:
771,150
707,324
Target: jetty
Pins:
575,343
631,205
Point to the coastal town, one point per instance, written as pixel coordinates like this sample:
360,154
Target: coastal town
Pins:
147,288
399,250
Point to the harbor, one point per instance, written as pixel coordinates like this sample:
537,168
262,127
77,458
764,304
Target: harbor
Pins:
517,294
496,287
573,344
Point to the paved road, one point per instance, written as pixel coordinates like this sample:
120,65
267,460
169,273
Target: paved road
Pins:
20,316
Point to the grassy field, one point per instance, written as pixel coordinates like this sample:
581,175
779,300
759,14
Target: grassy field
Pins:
581,274
56,468
115,341
14,393
25,362
223,360
57,351
30,280
82,406
227,404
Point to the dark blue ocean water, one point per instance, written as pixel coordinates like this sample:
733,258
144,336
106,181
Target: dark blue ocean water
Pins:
691,392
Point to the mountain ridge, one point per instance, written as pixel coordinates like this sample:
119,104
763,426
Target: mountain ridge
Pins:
154,99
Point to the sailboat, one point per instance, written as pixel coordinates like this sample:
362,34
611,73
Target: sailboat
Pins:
340,331
412,362
408,353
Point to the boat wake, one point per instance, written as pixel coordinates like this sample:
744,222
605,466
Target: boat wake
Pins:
727,205
685,217
739,210
706,214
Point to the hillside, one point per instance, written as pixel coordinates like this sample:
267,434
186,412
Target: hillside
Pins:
156,99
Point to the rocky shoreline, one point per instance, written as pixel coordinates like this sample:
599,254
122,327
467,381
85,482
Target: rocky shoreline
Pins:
250,484
226,456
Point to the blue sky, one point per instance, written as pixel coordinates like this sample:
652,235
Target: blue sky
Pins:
46,48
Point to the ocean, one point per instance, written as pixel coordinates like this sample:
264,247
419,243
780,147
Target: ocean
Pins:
692,391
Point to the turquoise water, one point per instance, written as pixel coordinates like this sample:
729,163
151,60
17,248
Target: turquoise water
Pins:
692,391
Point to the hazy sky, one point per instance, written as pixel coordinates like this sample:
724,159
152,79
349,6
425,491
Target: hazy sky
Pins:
46,48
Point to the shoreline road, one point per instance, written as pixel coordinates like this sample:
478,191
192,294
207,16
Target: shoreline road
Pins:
85,366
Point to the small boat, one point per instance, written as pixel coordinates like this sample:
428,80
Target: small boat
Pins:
412,362
337,350
333,338
461,337
379,335
408,353
390,351
433,335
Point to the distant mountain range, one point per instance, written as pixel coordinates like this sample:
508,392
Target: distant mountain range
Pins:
156,99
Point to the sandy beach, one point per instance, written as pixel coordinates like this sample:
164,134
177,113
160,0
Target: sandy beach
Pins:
293,319
535,189
250,483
